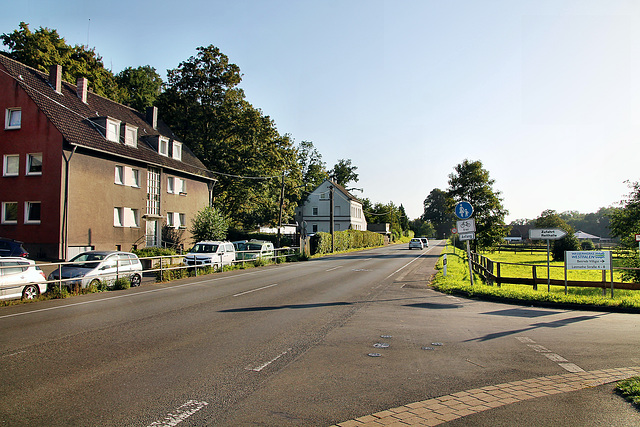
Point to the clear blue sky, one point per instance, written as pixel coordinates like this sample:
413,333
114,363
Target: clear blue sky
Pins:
545,93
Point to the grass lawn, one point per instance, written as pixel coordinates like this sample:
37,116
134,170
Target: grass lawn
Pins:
457,281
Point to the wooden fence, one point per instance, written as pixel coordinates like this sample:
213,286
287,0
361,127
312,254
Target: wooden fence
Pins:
491,272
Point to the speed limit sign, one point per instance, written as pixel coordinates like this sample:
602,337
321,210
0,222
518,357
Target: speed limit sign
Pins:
454,231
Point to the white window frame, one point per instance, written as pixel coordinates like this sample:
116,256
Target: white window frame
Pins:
30,158
170,220
135,178
27,211
182,220
119,175
131,218
130,135
12,113
5,165
171,184
163,146
118,217
314,211
181,186
4,213
176,152
113,130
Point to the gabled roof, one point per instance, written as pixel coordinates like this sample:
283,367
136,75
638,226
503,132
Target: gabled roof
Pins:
72,118
343,191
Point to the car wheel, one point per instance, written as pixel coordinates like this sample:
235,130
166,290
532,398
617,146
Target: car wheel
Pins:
30,292
135,280
94,282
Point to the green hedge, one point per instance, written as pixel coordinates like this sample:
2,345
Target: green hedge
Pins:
345,240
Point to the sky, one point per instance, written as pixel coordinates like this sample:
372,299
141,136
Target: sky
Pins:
545,93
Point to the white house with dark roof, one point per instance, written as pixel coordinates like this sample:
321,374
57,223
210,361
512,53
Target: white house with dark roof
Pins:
314,214
81,172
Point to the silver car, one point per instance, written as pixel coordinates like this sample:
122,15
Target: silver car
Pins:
20,278
416,243
93,267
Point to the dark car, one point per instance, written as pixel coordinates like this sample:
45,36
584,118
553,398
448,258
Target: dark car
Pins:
10,247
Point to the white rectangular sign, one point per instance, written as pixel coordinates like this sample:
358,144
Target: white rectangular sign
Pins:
466,236
588,260
546,233
466,226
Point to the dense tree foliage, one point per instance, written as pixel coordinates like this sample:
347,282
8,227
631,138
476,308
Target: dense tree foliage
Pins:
470,182
343,172
625,224
313,169
209,224
141,86
204,107
438,212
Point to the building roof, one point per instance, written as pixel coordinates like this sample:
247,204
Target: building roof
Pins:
73,119
343,190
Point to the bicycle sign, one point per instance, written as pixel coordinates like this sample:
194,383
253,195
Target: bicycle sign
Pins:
463,210
466,226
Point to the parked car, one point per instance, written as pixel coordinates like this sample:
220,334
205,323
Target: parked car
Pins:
416,243
20,278
90,268
211,253
14,248
255,249
425,242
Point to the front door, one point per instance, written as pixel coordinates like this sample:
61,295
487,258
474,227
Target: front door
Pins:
152,233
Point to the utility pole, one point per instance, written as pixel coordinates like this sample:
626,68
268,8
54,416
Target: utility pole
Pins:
280,216
333,240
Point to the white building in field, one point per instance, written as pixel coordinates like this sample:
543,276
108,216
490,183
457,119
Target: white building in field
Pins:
314,215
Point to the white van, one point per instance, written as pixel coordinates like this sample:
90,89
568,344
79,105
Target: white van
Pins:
211,253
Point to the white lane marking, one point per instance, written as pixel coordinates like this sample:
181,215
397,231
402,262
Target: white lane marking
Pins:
181,413
334,268
571,367
401,268
264,365
14,354
555,357
539,348
255,290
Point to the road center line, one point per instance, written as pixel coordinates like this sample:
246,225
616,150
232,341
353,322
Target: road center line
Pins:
334,268
255,290
407,264
264,365
181,413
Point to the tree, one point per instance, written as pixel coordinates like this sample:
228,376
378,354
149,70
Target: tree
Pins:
204,107
470,182
438,211
550,219
314,170
343,172
625,224
44,47
422,228
209,224
141,86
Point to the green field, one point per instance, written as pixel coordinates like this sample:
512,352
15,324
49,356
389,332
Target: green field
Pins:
457,281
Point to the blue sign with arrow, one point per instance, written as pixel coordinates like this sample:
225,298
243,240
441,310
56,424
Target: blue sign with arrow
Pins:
463,210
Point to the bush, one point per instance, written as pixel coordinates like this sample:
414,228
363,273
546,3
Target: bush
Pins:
345,240
152,252
121,283
587,245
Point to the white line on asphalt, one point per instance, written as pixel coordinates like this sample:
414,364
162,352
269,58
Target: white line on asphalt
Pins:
254,290
14,354
401,268
334,268
182,413
571,367
264,365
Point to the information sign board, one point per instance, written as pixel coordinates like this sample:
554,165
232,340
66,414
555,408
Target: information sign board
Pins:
546,233
466,226
466,236
463,210
588,260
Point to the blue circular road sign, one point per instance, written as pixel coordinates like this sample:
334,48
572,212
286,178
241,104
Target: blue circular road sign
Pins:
464,210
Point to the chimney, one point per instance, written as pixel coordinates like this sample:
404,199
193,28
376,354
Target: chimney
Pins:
152,117
81,89
55,77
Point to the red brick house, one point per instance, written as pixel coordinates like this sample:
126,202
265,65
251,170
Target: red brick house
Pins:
82,172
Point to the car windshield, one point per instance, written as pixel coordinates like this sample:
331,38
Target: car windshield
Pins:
84,260
254,247
204,248
241,246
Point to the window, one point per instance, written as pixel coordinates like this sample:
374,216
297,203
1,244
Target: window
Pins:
11,165
177,150
132,218
170,184
314,210
181,185
314,228
130,136
13,118
32,213
113,130
118,217
34,164
170,220
9,212
119,175
135,178
163,146
183,221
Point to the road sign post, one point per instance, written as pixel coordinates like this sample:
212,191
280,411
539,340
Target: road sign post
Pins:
466,228
547,234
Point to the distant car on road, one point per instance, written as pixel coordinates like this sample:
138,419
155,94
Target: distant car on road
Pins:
10,247
416,243
20,278
90,268
425,242
211,253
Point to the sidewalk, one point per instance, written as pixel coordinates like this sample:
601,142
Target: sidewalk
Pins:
454,406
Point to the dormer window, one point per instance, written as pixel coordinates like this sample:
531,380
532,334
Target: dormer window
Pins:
13,118
163,147
130,135
113,130
177,150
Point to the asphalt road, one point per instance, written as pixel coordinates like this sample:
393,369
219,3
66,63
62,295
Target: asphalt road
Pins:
284,345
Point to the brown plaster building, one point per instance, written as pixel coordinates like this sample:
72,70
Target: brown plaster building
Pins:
82,172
